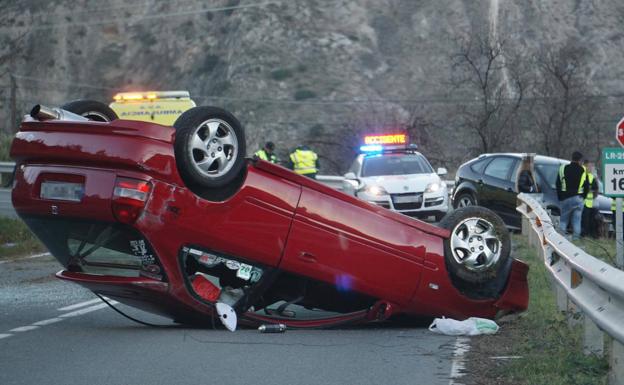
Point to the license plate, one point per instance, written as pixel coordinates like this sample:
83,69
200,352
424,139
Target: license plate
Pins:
62,191
408,199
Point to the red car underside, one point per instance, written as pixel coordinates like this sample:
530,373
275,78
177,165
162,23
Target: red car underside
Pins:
286,227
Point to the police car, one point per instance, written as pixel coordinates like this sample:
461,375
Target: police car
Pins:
392,174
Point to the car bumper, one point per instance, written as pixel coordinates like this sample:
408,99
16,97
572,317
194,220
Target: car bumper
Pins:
423,205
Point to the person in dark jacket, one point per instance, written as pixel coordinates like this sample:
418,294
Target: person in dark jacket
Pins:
572,187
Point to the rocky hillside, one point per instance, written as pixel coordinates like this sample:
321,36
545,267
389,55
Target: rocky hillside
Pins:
315,71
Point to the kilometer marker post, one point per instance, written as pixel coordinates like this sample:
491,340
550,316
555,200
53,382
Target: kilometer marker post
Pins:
613,182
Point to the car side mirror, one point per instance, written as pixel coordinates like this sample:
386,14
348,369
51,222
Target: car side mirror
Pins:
442,171
353,180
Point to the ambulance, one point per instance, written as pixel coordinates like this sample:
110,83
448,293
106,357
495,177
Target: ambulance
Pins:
162,107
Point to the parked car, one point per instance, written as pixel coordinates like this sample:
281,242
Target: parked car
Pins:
491,181
176,221
398,179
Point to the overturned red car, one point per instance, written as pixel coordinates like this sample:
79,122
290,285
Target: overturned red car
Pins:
175,220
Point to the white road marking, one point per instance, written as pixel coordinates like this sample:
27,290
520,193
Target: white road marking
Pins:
29,257
48,321
457,368
80,304
87,310
24,328
61,317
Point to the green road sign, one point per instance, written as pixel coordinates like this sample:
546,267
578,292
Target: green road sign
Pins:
613,172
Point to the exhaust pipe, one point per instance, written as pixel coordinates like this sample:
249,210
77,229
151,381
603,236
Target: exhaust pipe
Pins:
41,113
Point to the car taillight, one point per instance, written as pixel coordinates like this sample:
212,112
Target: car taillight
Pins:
129,198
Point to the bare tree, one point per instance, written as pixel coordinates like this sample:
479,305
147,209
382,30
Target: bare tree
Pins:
485,72
339,146
11,46
562,105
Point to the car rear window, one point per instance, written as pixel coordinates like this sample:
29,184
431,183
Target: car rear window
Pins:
378,165
479,165
97,248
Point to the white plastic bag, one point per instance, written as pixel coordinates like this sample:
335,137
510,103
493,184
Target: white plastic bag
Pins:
469,327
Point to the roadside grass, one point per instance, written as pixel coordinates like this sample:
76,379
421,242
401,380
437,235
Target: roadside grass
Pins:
551,351
16,239
602,248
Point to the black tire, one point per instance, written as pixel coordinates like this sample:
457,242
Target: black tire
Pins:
465,199
215,164
92,110
475,233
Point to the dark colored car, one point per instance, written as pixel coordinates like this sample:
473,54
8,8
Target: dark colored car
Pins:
176,221
491,181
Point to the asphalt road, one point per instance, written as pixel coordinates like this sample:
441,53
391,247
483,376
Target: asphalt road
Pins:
54,332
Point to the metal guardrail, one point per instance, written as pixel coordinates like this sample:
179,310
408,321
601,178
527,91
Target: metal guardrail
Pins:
332,181
583,282
6,171
6,167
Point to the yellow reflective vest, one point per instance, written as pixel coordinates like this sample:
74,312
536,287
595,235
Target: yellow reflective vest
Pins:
589,199
304,161
262,154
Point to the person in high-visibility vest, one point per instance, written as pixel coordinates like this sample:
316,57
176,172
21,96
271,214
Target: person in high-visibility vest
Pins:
267,152
588,220
572,187
304,161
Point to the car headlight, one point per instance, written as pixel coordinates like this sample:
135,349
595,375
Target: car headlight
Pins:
375,190
433,187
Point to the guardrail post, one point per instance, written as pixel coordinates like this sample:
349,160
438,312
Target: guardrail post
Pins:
526,226
616,363
593,338
562,297
531,235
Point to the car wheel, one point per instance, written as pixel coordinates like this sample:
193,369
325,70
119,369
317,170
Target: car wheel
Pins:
92,110
209,147
478,249
465,200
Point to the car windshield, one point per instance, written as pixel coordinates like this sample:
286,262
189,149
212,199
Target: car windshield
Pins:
378,165
549,171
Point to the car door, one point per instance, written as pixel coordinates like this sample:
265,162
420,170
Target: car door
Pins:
351,245
472,175
498,188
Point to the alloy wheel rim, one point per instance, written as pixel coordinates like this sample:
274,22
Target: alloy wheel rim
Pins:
465,202
213,148
474,244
